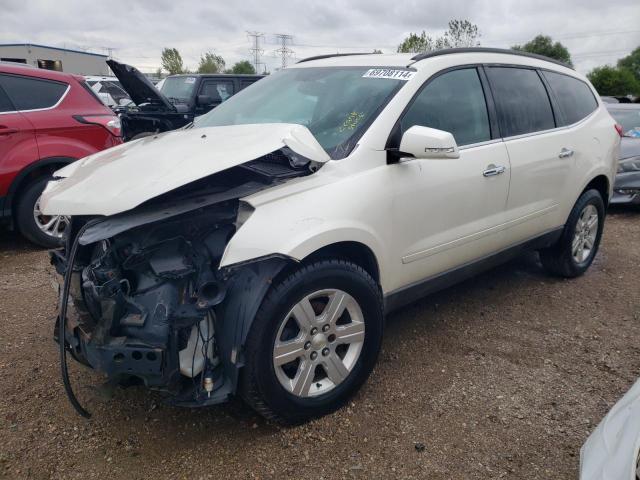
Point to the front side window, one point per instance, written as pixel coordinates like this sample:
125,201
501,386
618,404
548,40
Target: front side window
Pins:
453,102
32,93
335,103
574,97
521,101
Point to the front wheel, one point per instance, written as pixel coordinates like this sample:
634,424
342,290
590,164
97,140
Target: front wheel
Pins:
43,230
574,252
313,343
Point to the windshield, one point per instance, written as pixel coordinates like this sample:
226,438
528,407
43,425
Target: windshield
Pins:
178,88
629,119
335,104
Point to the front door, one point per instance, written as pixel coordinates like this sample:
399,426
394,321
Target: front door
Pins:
449,212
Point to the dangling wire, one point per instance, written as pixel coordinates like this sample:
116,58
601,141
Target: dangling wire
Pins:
63,323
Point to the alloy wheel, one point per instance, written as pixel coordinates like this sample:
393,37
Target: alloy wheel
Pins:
318,343
585,234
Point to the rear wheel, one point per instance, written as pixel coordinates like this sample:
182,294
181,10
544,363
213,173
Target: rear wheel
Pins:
574,252
43,230
314,341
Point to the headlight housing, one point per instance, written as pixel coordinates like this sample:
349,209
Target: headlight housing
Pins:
629,165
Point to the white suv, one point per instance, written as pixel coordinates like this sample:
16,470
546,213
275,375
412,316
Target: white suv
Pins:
257,251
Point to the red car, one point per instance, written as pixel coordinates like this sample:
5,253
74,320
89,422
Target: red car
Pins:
47,120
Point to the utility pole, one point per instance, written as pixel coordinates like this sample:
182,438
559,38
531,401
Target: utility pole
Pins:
284,51
255,50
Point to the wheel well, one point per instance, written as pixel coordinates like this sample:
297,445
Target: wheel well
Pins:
354,252
601,184
24,178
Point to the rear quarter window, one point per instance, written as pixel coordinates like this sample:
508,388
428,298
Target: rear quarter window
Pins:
521,100
574,97
32,93
5,103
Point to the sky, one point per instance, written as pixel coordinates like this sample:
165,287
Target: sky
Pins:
596,32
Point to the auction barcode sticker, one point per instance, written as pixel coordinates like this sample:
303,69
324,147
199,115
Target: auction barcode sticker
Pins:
388,73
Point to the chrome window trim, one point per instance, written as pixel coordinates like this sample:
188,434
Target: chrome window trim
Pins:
62,97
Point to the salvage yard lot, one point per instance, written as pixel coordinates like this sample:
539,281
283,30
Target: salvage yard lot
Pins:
504,375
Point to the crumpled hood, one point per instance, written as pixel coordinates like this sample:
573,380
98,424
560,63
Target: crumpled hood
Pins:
121,178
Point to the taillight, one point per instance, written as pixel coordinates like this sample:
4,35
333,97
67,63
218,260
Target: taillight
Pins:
618,128
110,122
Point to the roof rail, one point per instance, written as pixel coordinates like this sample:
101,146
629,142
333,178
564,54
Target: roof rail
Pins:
331,55
447,51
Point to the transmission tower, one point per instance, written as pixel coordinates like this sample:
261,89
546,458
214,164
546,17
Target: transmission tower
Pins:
255,50
284,51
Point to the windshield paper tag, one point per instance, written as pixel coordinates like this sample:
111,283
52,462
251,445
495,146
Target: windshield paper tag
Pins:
388,73
190,80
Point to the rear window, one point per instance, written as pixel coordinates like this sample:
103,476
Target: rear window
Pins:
574,97
521,100
32,93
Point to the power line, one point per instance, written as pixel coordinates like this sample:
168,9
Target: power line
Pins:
284,51
255,50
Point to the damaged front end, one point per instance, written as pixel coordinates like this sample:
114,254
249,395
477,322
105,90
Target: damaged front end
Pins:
147,300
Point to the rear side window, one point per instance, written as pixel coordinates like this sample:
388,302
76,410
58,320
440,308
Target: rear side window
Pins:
219,90
453,102
521,100
574,97
32,93
5,103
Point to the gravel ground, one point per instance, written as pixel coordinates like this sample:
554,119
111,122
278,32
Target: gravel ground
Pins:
502,376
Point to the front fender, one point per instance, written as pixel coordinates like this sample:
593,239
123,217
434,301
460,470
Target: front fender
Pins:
297,238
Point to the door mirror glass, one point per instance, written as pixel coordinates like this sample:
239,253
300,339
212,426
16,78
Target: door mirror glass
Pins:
205,100
425,142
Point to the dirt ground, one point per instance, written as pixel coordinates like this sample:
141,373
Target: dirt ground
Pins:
503,376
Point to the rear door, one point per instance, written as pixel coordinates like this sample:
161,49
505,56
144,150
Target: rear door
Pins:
541,155
448,212
18,147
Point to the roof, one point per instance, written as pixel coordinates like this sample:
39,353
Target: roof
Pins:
30,71
411,59
52,48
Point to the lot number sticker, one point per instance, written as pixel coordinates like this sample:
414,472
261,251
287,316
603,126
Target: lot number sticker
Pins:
388,73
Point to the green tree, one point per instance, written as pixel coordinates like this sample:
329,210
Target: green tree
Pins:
211,63
632,63
614,81
172,61
461,33
243,67
544,45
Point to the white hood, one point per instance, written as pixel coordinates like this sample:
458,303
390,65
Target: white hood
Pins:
123,177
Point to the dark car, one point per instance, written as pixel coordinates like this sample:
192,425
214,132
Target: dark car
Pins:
626,189
180,99
47,120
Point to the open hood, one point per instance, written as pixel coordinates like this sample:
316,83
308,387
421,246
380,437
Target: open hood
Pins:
139,88
123,177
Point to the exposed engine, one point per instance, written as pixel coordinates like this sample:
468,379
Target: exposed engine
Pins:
149,303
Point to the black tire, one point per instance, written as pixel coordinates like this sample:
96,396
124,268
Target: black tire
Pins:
24,215
259,385
558,259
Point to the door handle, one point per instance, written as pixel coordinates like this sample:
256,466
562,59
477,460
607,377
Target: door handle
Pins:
493,170
7,131
565,153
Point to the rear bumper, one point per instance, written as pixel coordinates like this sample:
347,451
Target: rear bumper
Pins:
626,190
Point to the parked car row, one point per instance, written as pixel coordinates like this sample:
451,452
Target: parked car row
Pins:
50,119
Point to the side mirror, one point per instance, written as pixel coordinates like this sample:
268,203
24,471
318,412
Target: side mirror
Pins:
425,142
205,100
